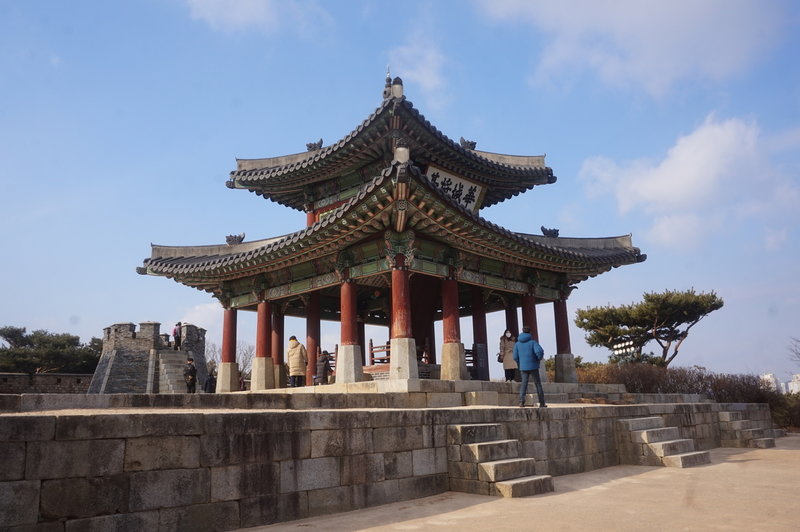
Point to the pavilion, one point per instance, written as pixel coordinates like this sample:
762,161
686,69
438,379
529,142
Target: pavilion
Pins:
393,238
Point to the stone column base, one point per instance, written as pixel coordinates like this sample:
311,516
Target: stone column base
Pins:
348,364
565,368
403,359
228,377
454,362
280,378
262,376
543,372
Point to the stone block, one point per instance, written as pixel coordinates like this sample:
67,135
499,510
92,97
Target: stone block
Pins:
535,449
362,469
366,400
245,422
19,501
241,481
330,500
218,516
453,362
13,454
90,427
403,364
224,449
429,461
469,386
132,521
406,400
77,458
506,469
526,486
418,487
309,474
348,364
340,442
399,438
489,451
465,470
268,509
167,488
168,452
463,485
398,465
84,497
27,428
481,398
397,418
475,433
454,453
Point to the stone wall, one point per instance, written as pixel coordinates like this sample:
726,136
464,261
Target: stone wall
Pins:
225,470
17,383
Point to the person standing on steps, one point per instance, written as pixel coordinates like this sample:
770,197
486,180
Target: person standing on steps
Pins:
298,359
528,354
506,355
323,368
190,375
176,333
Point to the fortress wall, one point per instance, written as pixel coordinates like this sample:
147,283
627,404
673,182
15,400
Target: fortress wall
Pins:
145,470
18,383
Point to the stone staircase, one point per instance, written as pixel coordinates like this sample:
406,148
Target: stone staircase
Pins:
736,431
170,372
646,441
482,460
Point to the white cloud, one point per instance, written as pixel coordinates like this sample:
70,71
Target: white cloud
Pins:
716,175
262,15
420,62
652,44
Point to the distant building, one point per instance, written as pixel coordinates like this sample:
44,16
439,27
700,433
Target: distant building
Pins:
771,382
793,386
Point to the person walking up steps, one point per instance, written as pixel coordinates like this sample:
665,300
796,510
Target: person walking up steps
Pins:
527,354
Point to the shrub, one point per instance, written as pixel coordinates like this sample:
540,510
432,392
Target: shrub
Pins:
720,387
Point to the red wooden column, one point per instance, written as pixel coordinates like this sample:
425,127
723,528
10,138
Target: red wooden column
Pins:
453,362
349,367
229,336
401,300
479,334
451,330
262,374
403,352
512,323
228,371
362,340
529,314
264,330
562,326
277,345
312,335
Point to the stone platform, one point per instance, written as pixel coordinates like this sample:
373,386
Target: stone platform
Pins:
179,462
414,393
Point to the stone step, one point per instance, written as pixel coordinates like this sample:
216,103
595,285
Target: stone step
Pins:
655,435
641,423
730,416
774,433
475,433
671,447
524,486
745,435
490,451
687,459
506,469
762,443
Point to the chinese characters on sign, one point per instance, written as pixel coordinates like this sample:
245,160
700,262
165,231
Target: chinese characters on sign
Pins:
464,192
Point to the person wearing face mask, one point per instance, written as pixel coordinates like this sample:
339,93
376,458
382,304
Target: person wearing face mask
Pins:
507,342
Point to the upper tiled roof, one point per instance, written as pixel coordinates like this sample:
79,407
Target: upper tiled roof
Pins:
282,178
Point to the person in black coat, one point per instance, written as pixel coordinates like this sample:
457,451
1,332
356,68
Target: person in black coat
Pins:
190,375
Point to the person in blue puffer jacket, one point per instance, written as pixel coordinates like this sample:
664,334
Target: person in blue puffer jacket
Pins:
527,354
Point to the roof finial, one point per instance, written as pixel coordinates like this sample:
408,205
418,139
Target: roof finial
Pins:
387,89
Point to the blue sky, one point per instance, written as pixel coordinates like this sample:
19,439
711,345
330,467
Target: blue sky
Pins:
678,122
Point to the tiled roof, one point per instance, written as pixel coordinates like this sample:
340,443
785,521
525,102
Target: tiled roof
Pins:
278,178
594,255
